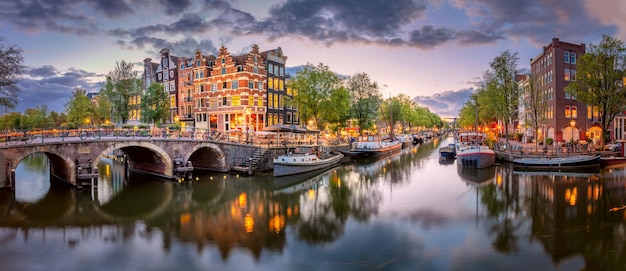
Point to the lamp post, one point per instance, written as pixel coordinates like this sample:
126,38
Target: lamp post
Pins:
247,110
572,123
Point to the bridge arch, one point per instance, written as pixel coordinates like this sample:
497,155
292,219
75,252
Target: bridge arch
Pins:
207,156
61,166
144,156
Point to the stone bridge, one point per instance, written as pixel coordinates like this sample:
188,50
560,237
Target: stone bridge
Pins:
149,155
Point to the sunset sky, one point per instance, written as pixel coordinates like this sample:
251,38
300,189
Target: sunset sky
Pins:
432,50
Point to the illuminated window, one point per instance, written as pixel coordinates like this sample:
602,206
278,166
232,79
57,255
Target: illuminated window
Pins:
260,101
574,111
276,83
270,83
276,104
270,100
235,101
568,111
281,85
173,101
250,100
567,74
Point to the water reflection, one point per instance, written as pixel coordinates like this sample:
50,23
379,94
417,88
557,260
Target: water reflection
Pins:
402,212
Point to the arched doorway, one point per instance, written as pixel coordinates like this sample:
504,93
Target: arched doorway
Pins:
571,134
595,133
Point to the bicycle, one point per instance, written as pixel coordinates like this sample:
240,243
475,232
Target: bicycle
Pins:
24,137
86,134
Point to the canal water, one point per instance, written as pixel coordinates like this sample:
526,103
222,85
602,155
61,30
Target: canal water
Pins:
408,211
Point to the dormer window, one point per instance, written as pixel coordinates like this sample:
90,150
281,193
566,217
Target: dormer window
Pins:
239,68
198,63
223,60
211,63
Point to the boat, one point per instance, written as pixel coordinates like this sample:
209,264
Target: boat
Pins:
375,145
447,152
296,162
573,162
472,153
612,161
406,140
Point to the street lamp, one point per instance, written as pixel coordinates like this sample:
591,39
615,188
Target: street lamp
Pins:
572,123
247,110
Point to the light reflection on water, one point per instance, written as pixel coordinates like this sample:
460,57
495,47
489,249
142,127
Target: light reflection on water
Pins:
409,211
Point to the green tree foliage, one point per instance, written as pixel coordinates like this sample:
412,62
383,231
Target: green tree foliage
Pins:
366,100
315,86
10,69
37,117
121,84
535,105
602,70
337,111
155,104
80,110
502,88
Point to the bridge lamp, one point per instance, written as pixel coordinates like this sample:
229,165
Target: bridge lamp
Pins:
87,121
572,123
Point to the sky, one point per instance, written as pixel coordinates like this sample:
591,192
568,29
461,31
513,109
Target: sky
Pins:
434,51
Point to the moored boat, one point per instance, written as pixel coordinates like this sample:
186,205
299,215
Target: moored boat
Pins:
472,153
406,140
573,162
375,145
612,161
447,152
300,162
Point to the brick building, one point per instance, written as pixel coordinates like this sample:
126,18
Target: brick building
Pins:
566,117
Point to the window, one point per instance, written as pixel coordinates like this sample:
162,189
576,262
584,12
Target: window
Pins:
197,75
270,100
256,69
239,68
211,63
572,57
223,70
235,101
270,68
260,101
223,60
213,87
201,74
250,100
276,70
567,75
573,75
250,85
276,104
280,85
260,85
276,83
574,111
282,71
568,112
224,101
235,85
198,63
197,88
213,103
223,85
172,101
167,87
270,83
171,74
159,76
566,57
165,62
182,66
567,96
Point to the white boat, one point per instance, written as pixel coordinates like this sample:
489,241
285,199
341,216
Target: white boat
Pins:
300,162
375,145
406,140
571,162
472,153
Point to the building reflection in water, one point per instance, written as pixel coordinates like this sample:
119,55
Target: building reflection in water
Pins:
569,214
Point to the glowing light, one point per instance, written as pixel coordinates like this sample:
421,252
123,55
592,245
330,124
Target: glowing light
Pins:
277,223
248,223
243,199
185,218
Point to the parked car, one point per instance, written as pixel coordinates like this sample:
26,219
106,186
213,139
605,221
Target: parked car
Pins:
614,146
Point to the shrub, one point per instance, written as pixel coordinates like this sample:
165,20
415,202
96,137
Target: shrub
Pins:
549,141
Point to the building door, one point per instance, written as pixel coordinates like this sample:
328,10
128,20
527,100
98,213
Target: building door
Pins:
595,134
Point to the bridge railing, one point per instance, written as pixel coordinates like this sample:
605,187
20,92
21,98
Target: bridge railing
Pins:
14,137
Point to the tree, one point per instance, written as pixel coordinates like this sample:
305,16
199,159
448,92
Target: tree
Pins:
366,100
121,84
314,85
337,111
79,108
37,117
155,104
10,69
502,88
535,106
601,84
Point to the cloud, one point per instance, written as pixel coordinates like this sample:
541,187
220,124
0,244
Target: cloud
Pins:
49,86
447,103
537,20
41,15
